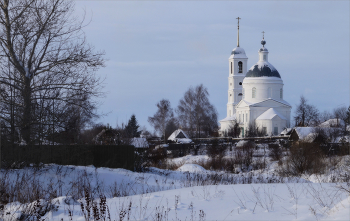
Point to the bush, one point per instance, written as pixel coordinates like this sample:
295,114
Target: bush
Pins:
214,149
304,158
275,151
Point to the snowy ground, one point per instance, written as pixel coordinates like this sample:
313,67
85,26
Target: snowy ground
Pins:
185,194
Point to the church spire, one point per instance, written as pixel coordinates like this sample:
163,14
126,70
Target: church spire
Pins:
238,32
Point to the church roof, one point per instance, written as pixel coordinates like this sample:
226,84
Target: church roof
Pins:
238,52
269,114
279,101
233,117
259,102
261,69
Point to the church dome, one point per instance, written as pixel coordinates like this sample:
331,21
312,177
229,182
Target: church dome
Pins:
238,52
263,69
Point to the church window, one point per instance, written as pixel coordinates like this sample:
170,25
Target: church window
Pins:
230,84
254,92
239,117
269,91
281,93
243,93
264,57
242,129
275,130
231,67
264,129
240,83
240,67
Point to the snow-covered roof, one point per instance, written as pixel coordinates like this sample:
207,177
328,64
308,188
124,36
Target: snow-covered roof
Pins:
139,142
332,123
279,101
183,140
261,69
286,131
269,114
342,139
310,137
238,52
303,131
178,134
232,118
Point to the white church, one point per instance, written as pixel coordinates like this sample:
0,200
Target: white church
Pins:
255,95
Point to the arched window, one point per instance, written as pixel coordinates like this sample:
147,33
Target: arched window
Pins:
269,92
254,92
281,93
243,93
240,67
231,67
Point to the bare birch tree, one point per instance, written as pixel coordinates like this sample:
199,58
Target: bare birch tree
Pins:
195,112
47,66
162,117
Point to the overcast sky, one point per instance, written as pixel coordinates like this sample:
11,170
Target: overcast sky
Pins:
159,49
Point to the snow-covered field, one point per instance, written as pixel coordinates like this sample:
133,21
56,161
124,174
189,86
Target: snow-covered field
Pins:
186,194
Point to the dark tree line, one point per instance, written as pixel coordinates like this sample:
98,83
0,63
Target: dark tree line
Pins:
47,71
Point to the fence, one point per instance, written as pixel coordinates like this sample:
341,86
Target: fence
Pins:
112,156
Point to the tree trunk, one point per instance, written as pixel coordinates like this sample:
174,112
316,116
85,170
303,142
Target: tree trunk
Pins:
26,125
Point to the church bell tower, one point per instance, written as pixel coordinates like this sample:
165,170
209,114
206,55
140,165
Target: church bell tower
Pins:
237,70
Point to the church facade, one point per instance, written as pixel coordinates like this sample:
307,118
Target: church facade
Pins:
255,96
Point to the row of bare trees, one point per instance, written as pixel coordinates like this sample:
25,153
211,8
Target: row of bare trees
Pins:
307,115
47,72
195,114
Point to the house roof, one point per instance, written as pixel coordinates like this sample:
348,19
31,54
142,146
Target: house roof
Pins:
332,123
303,132
139,142
178,134
286,131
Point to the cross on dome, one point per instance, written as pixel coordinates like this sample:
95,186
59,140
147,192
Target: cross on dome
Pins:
263,42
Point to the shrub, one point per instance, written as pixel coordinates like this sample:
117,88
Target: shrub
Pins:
275,151
304,158
214,149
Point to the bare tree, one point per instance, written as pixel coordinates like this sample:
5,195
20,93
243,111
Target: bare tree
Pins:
325,115
162,117
340,115
254,131
195,113
234,129
171,126
305,114
46,65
